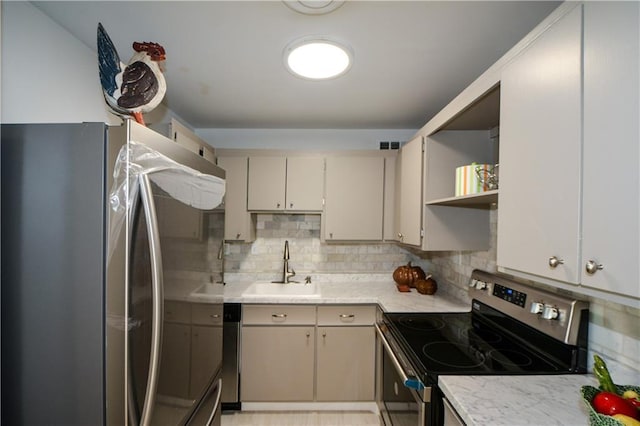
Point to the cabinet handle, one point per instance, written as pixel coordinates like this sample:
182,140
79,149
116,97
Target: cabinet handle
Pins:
290,205
308,334
554,262
400,236
278,205
237,236
279,316
214,316
347,316
592,267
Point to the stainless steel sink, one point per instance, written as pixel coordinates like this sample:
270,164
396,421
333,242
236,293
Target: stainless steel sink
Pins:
269,289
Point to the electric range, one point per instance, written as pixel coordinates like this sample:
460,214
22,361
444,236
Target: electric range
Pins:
512,328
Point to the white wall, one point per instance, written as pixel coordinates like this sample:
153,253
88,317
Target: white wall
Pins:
47,74
315,139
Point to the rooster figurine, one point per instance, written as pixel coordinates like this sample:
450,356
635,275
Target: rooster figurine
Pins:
132,89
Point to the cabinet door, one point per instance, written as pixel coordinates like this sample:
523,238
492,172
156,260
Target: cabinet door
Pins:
238,225
267,178
354,198
410,203
206,356
346,364
611,139
540,155
177,220
305,183
175,360
277,363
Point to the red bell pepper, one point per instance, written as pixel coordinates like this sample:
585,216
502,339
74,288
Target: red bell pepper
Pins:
608,403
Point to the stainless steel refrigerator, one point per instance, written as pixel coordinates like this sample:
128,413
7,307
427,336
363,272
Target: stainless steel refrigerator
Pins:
106,232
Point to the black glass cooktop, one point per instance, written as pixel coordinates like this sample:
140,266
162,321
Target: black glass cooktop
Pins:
462,343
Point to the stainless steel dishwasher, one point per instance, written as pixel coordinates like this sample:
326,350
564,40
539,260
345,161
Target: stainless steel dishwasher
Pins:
231,357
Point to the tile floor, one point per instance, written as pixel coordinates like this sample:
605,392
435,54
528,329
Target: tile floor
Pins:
300,418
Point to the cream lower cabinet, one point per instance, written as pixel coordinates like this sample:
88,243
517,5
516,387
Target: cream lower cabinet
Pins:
278,352
174,377
286,358
197,327
346,353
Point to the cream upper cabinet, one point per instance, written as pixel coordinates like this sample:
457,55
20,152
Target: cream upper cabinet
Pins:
267,180
610,216
540,137
570,191
354,198
184,136
178,220
408,211
281,183
305,183
239,225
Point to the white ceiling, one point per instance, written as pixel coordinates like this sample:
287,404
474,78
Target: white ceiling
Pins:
224,64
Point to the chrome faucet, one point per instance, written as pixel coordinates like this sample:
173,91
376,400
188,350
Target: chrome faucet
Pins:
286,273
221,259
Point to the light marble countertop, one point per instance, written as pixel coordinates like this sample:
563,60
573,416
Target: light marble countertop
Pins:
383,293
518,400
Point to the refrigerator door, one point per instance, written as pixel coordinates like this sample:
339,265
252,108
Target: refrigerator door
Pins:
174,341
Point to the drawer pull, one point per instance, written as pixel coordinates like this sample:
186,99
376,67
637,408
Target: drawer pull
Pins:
279,317
347,316
214,316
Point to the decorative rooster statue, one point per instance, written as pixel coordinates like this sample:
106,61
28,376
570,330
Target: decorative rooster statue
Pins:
135,88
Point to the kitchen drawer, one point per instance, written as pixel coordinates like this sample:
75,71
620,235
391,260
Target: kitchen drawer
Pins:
347,315
278,314
177,312
206,314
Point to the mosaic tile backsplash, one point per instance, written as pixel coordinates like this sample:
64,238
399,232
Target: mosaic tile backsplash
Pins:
307,254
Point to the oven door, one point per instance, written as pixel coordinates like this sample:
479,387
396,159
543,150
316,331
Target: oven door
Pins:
401,396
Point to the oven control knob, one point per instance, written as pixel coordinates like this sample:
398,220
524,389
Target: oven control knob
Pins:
481,285
550,312
537,308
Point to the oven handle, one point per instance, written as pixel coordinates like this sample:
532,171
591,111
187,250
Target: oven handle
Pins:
411,382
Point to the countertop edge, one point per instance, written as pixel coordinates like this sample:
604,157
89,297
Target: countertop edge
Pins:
384,294
507,400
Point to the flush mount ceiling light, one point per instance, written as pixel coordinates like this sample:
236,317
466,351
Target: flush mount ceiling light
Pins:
314,7
317,58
